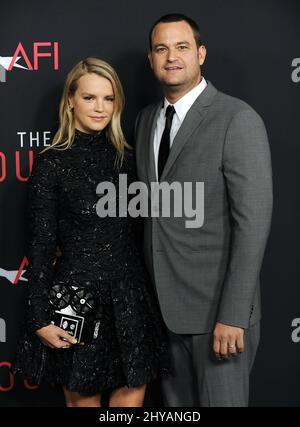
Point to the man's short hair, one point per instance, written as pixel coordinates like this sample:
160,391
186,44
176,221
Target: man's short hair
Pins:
177,17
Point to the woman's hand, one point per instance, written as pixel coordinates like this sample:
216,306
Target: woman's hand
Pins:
55,337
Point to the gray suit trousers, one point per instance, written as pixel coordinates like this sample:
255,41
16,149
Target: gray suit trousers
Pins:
200,379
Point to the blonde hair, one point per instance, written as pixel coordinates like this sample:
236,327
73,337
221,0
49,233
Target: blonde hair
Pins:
64,136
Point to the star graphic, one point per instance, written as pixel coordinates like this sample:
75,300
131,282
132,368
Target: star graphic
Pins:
6,60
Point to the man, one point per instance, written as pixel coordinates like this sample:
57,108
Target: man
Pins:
206,278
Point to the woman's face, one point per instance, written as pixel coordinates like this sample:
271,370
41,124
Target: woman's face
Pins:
93,103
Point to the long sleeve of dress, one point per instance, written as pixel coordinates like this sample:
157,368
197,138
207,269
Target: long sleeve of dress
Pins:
42,237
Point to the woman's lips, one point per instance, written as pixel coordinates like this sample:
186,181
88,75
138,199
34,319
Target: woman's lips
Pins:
98,119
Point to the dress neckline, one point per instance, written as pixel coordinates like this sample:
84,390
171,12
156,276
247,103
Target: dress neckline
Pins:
89,137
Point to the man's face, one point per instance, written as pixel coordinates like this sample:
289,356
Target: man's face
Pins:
175,57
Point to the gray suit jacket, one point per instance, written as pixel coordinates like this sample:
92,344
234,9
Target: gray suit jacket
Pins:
208,274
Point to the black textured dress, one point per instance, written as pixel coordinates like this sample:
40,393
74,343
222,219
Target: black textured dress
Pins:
97,253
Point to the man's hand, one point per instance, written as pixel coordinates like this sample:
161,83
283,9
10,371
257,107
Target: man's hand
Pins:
55,337
228,340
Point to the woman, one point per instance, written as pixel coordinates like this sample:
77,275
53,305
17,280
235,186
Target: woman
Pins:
98,283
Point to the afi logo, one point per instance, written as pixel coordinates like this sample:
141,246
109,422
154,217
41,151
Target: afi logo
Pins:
40,50
15,276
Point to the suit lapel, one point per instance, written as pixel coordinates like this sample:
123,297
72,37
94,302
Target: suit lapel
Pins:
192,120
150,138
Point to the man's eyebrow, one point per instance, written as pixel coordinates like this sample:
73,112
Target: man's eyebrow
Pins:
159,44
181,42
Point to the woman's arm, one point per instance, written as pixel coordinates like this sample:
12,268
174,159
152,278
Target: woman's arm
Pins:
41,239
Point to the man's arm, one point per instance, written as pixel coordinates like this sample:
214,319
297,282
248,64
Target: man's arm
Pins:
247,170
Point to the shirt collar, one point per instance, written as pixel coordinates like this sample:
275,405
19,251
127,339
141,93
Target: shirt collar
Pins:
183,105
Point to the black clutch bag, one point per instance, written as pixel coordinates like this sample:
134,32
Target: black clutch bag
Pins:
74,310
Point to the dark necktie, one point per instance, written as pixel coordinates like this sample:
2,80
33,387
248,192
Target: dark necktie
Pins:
164,147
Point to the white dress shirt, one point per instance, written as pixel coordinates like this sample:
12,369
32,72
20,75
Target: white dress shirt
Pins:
182,106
